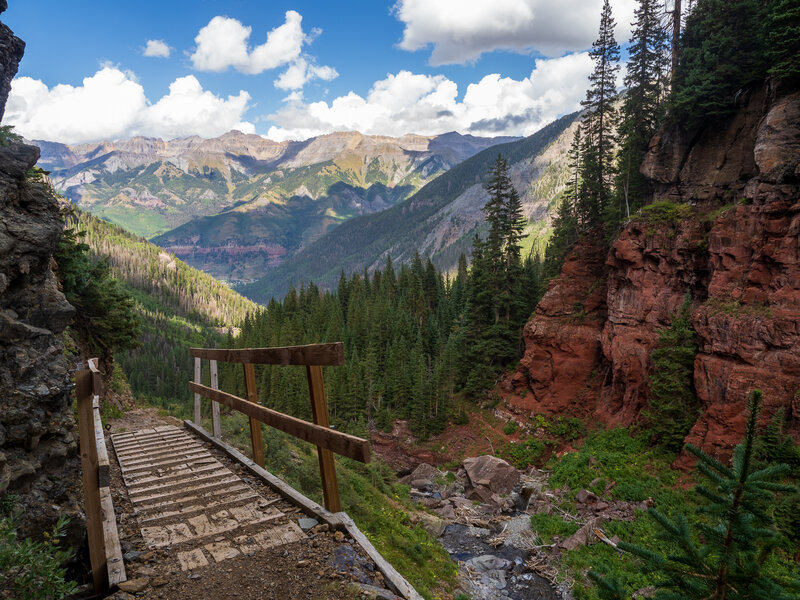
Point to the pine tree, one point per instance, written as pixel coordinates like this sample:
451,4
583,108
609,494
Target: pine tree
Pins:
643,107
721,555
599,124
495,300
782,28
723,53
673,404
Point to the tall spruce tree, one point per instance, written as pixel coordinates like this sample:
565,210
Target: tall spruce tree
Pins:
495,302
673,404
720,554
723,53
599,124
643,107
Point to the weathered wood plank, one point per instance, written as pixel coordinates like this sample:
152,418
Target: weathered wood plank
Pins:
312,354
396,581
198,378
340,443
319,410
91,490
115,565
103,466
308,506
255,426
215,424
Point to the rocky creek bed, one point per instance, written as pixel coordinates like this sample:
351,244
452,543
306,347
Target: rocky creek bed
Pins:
481,514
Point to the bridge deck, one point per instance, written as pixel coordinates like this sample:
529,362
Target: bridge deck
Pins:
188,501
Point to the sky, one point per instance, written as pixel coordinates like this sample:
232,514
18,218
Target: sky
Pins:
97,71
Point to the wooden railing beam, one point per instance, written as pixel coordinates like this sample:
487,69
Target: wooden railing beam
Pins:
319,410
255,426
216,429
89,474
198,378
340,443
312,354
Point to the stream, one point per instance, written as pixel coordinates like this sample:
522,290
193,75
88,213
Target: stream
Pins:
489,543
502,569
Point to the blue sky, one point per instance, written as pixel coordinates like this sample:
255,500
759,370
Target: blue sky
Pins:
304,68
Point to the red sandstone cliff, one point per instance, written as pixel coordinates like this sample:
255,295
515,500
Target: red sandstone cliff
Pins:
737,253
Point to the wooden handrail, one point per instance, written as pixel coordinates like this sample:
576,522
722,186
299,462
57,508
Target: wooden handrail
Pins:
326,355
105,554
336,441
313,357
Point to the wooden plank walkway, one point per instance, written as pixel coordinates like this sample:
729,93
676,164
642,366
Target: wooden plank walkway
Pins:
188,501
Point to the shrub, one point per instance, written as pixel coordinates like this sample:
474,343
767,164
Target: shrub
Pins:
32,570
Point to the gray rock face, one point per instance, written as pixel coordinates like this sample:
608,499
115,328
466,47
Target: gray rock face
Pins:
38,445
11,50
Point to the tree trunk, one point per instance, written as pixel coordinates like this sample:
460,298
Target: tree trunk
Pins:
676,38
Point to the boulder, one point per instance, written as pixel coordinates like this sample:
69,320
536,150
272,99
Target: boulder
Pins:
492,473
422,478
586,497
432,524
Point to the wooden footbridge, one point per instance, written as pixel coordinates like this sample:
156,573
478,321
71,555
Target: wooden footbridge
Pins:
197,501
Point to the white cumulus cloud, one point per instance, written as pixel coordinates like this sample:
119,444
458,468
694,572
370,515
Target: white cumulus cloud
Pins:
462,30
112,105
406,102
300,72
156,49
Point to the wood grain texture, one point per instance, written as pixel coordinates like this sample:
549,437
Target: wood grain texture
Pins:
215,424
114,563
319,410
255,426
198,378
103,466
312,354
340,443
89,475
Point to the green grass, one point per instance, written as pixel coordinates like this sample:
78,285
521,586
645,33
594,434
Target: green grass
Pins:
547,526
379,506
665,212
637,470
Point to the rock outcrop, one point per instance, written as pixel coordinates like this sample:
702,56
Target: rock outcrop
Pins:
11,50
735,251
38,448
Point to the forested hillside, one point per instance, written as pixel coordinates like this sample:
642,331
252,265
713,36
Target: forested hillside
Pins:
237,205
180,307
438,221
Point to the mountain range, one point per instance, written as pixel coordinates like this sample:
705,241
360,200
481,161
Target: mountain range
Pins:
438,221
237,205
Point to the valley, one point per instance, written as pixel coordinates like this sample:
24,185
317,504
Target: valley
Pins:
569,359
238,205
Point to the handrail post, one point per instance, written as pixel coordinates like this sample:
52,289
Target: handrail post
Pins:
255,426
198,378
85,381
216,429
319,410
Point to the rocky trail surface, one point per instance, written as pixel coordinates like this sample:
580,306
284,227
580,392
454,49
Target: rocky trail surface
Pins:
195,524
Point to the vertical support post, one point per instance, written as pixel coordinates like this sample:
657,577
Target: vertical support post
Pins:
255,426
198,378
319,410
84,392
216,430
